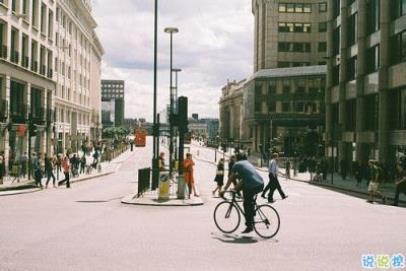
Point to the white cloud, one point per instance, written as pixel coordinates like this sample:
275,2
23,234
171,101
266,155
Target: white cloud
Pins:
214,44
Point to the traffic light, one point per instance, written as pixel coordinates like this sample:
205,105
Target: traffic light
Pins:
182,116
33,129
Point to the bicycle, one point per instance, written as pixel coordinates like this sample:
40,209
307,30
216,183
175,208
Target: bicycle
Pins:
227,217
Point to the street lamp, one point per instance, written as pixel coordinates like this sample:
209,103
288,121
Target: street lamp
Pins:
175,98
155,175
171,31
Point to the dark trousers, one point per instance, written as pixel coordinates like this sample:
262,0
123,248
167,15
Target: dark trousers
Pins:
249,204
272,186
401,187
66,180
50,174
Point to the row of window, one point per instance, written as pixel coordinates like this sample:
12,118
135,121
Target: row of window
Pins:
299,47
288,27
287,64
300,7
63,116
294,107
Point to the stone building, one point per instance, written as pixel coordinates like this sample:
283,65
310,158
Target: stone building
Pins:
77,75
27,80
366,94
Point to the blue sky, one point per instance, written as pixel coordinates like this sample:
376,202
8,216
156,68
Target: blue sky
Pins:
214,43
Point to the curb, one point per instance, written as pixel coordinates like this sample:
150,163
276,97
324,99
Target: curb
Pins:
149,201
19,192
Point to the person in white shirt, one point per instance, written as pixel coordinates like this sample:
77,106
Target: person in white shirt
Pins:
273,184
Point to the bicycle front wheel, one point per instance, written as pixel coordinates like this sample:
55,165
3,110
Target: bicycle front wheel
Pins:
227,217
267,221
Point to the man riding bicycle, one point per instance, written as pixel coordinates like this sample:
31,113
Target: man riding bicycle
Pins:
251,183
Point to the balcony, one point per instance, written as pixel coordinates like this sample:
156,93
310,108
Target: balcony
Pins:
3,51
43,70
26,62
3,110
15,56
50,73
34,66
38,115
18,114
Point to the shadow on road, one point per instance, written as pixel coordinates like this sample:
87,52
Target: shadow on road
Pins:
238,239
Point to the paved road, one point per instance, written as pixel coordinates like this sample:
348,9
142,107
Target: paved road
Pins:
87,228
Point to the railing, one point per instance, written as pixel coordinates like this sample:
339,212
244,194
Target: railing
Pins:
3,110
43,70
50,73
26,62
3,51
38,115
19,114
144,181
34,66
15,56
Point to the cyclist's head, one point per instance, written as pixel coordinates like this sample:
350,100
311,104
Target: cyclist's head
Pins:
241,156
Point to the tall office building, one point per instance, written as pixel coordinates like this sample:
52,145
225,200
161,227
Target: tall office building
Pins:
284,97
366,96
112,92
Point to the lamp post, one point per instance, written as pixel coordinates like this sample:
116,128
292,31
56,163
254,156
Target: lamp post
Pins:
171,31
155,175
175,108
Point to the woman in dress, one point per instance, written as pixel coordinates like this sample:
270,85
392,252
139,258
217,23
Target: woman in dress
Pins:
188,165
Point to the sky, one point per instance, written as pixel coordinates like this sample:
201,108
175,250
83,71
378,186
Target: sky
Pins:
214,44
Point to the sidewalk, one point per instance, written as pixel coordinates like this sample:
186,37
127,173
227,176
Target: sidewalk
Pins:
28,186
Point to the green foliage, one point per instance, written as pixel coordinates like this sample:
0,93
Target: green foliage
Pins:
115,132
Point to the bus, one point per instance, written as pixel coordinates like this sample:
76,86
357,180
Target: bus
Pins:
140,137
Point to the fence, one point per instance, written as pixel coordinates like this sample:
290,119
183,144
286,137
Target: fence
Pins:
144,183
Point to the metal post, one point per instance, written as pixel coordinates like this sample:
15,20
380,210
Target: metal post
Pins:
29,146
170,108
155,175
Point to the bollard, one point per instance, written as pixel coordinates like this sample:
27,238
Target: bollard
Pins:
181,187
163,186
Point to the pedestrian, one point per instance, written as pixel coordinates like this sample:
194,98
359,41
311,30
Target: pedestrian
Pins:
162,161
219,179
58,164
66,169
251,183
2,167
287,166
343,167
23,164
38,172
82,164
376,178
358,172
49,170
132,144
401,184
273,184
188,165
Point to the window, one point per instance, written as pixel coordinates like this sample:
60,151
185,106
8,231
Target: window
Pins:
298,28
283,47
282,8
323,27
372,59
272,106
307,28
336,8
34,13
371,110
350,115
50,24
43,18
307,8
373,16
290,8
398,8
322,47
336,41
26,6
399,112
351,68
299,107
282,64
282,27
398,48
352,29
322,7
299,8
336,75
285,107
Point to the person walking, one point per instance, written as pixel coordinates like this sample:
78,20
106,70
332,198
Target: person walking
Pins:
49,170
82,164
401,184
251,183
287,169
273,183
188,165
162,161
38,173
23,164
2,167
66,169
219,179
376,178
358,172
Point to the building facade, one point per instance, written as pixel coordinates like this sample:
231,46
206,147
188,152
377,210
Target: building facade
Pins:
112,97
27,80
366,95
289,33
77,74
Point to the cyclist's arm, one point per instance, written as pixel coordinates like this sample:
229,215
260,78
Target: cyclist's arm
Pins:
231,178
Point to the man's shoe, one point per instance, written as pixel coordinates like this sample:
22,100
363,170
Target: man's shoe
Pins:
248,230
271,201
284,197
263,196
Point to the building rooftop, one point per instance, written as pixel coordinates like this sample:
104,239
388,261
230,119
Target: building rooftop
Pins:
290,72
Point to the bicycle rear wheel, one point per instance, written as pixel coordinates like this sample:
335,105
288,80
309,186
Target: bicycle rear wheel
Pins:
267,221
227,217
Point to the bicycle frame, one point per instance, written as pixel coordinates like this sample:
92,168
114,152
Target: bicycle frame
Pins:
241,210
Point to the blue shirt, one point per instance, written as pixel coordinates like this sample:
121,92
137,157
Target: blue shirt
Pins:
273,167
248,174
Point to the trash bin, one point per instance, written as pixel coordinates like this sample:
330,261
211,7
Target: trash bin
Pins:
163,186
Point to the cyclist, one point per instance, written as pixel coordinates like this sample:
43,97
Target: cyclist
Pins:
251,183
